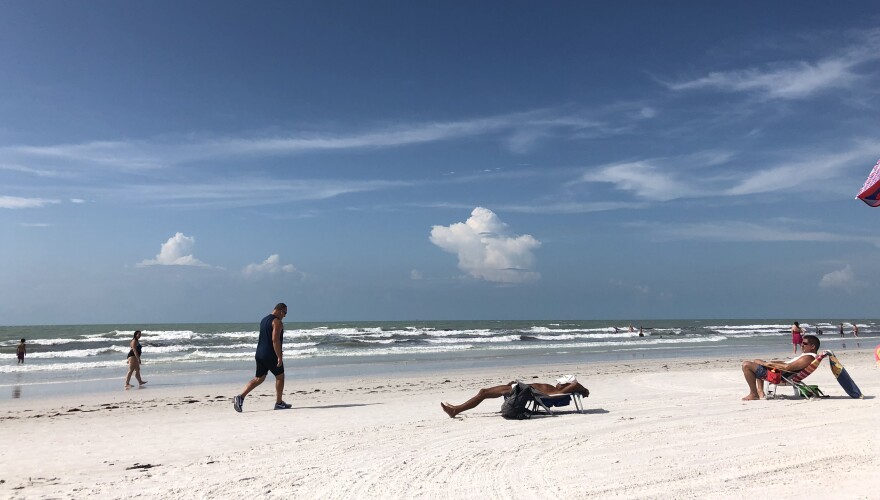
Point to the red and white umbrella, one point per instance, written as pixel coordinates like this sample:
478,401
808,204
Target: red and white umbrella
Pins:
870,192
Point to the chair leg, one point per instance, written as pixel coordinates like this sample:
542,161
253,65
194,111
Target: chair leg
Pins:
537,401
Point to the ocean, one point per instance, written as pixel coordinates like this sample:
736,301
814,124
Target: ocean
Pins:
93,357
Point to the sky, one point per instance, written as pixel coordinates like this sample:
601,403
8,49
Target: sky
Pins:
166,162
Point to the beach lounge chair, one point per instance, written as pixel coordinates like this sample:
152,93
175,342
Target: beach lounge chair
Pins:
794,380
547,401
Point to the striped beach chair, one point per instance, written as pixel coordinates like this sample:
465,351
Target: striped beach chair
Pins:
794,380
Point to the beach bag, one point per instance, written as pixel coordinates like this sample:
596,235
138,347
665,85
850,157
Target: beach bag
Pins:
811,391
514,406
773,376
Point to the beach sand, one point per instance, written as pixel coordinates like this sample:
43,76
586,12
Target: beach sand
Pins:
653,429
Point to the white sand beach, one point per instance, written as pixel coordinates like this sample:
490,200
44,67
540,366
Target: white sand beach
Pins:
652,429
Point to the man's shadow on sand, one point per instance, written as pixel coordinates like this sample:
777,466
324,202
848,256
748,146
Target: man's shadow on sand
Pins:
324,407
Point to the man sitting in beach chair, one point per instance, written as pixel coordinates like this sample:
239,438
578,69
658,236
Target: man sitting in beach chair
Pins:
565,385
757,371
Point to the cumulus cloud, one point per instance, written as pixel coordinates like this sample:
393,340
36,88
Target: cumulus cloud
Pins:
486,249
843,279
272,265
177,251
13,202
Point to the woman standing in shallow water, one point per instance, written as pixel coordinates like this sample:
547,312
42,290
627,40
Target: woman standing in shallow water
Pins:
796,335
134,360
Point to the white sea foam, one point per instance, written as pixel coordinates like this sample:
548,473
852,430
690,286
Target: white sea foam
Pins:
75,353
505,338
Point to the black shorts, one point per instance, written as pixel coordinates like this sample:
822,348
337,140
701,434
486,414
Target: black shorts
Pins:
266,365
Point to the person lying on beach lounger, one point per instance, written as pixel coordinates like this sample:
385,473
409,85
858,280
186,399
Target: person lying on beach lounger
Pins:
565,385
756,370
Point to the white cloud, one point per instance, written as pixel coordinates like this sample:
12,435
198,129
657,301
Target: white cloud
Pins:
13,202
806,168
252,192
272,265
35,224
643,179
745,231
77,200
843,279
415,274
486,250
177,251
794,79
519,131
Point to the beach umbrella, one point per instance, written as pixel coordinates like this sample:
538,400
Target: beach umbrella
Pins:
870,192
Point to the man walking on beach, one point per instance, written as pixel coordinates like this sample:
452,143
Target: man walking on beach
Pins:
268,357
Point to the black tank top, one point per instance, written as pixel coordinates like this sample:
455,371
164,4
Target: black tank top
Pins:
265,350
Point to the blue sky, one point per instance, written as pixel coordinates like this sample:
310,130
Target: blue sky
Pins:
187,161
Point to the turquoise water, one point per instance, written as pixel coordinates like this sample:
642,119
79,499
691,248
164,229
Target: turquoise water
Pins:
94,356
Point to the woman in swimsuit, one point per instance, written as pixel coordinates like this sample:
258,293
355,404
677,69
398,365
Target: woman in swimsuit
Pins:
134,360
796,335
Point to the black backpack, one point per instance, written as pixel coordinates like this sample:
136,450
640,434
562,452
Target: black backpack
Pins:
514,406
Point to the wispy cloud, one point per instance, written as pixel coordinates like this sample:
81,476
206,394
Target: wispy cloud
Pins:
35,224
33,171
802,170
14,202
642,178
520,131
739,231
793,79
691,176
251,192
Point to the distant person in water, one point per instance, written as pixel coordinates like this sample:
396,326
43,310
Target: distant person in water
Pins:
564,385
269,358
818,331
841,329
756,371
134,360
796,335
20,351
855,329
640,331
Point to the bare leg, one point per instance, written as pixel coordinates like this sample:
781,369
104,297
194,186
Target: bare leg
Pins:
279,387
483,394
254,382
131,368
137,374
748,368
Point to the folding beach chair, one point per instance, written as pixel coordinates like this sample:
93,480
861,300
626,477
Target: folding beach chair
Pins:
794,380
547,401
